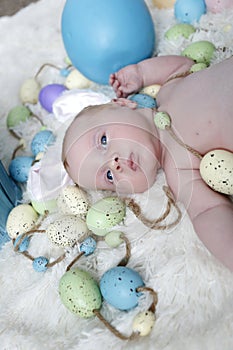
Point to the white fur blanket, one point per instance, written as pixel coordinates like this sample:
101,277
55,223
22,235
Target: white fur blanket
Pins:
195,308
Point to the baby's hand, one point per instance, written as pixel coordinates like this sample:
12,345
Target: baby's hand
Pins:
126,81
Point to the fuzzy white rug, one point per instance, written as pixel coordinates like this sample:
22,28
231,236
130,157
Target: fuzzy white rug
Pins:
195,309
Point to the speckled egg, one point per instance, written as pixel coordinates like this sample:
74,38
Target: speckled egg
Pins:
114,238
41,141
76,80
73,201
67,230
163,4
196,67
29,91
104,214
20,220
179,30
151,90
19,168
80,293
216,169
48,95
200,51
143,323
143,101
118,287
17,115
216,6
189,11
42,206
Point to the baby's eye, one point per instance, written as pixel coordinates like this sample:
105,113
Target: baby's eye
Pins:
104,140
109,176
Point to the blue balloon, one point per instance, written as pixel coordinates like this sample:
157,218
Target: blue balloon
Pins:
189,11
102,36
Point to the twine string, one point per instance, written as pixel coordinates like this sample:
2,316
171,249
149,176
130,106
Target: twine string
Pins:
155,224
113,329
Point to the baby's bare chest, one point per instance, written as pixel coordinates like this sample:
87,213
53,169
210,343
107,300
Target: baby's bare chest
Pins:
201,112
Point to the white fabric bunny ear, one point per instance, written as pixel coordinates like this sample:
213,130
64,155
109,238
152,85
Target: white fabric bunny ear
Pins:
69,104
48,176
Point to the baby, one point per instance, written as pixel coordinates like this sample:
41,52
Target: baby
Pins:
118,147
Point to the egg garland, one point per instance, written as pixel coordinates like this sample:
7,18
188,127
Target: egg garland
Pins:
216,166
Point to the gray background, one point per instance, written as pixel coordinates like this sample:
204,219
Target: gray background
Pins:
9,7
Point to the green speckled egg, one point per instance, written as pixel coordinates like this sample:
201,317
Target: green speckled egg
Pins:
80,293
105,214
197,66
113,238
178,30
16,115
200,51
42,206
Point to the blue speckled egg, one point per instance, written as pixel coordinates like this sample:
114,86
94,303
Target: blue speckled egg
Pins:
48,95
41,141
143,101
189,11
118,287
88,246
19,168
23,246
40,264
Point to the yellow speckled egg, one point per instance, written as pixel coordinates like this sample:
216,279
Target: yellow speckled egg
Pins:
200,51
151,90
20,220
163,4
73,201
143,323
67,230
29,91
76,80
216,169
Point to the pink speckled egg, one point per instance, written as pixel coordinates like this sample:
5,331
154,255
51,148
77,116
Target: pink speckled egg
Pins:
218,5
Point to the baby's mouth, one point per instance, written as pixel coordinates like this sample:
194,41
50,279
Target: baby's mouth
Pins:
131,162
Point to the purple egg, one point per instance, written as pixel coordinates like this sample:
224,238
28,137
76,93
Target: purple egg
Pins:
48,94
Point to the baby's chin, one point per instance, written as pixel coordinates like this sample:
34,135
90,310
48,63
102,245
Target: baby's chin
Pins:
125,187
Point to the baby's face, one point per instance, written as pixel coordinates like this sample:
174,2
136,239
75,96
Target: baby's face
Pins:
114,150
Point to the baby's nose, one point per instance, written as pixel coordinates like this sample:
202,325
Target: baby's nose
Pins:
116,163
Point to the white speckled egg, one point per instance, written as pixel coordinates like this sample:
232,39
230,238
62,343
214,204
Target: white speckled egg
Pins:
73,201
20,220
29,91
76,80
143,323
67,230
216,169
151,90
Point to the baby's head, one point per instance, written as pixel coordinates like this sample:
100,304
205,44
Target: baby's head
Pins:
112,147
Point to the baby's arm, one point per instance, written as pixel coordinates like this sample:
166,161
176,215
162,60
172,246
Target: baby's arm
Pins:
156,70
211,214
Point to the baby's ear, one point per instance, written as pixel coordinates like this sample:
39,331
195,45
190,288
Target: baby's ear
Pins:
124,102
